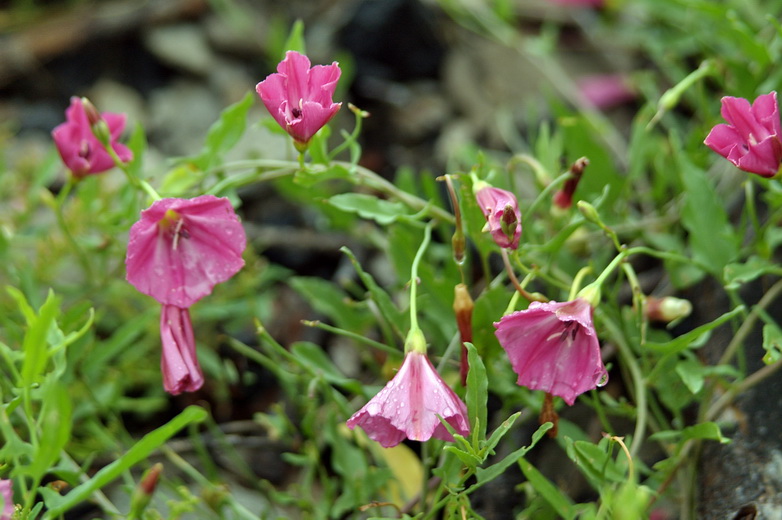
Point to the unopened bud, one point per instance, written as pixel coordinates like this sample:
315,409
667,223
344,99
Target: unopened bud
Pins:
667,309
563,198
462,308
143,493
93,116
459,244
589,212
508,221
101,131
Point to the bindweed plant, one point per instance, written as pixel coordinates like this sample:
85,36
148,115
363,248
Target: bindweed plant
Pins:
531,297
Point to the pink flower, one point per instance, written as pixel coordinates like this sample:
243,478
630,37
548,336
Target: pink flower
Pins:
408,406
179,364
8,500
298,97
80,150
605,90
553,347
751,140
502,215
181,248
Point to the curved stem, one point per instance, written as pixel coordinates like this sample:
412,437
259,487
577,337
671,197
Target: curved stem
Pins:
749,322
414,277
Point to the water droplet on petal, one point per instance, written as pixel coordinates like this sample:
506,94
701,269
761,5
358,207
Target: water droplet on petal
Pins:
602,379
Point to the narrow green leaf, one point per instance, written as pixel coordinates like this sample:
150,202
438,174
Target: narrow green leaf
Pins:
712,238
393,316
500,432
772,343
35,344
138,145
137,453
225,132
295,41
314,359
477,394
688,340
484,475
327,298
370,207
55,425
558,500
468,459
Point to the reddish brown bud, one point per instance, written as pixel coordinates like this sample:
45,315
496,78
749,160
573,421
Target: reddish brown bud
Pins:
462,307
564,197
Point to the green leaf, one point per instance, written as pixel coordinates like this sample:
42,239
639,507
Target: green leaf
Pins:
500,432
477,394
712,238
55,425
295,41
484,475
328,299
224,133
370,207
689,339
691,373
707,431
178,181
35,340
391,314
140,451
737,274
138,145
558,500
314,359
468,459
772,343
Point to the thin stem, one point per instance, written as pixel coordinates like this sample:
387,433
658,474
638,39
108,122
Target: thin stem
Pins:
414,277
749,322
58,211
352,335
760,375
639,385
509,269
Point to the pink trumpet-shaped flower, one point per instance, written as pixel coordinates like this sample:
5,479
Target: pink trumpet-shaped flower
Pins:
408,406
80,150
6,491
181,248
503,218
298,97
752,138
179,364
553,347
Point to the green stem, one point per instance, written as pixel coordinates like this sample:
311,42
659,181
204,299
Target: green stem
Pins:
749,323
352,335
59,202
414,278
639,385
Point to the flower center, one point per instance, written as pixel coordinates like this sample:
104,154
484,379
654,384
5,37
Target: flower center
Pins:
173,223
296,112
84,148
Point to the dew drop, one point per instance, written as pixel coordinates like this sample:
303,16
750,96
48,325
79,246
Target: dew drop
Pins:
602,379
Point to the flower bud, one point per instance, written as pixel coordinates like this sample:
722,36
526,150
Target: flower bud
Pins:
667,309
93,116
564,197
144,491
462,308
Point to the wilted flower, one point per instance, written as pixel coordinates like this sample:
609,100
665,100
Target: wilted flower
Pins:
751,139
179,364
181,248
298,97
503,218
8,500
408,406
80,150
553,347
